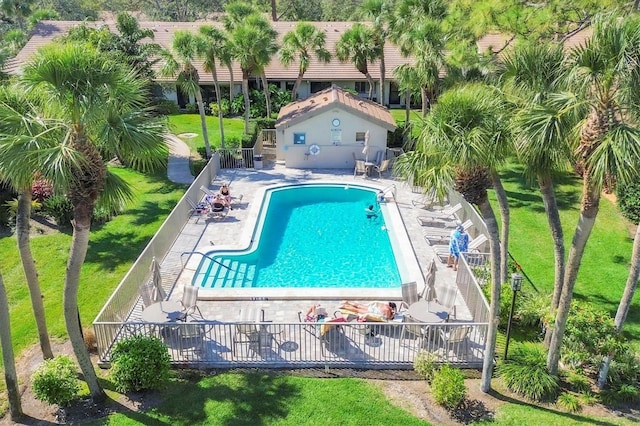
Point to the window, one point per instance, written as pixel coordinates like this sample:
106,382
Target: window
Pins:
289,85
317,86
360,137
299,138
362,86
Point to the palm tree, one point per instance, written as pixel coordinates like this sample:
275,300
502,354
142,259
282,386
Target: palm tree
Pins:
416,28
357,45
534,76
216,49
102,106
606,72
17,137
461,146
10,375
378,11
252,44
185,50
303,42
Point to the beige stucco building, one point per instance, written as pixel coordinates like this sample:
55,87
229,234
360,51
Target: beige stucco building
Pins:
329,128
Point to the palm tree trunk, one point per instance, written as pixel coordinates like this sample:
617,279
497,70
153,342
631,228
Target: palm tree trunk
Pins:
10,375
371,84
30,271
216,87
382,99
296,86
503,204
494,308
625,303
79,245
588,213
267,93
424,93
247,102
231,84
203,122
553,217
407,106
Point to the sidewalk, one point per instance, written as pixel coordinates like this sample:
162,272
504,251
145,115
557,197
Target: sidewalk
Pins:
178,165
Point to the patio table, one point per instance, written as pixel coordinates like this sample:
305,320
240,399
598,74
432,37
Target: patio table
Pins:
427,312
165,311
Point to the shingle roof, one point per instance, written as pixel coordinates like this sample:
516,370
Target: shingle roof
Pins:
45,31
329,98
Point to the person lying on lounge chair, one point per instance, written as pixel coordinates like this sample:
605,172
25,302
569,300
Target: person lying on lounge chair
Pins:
385,310
316,313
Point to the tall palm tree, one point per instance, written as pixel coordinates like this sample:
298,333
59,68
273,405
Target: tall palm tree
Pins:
357,45
18,136
215,50
462,144
102,105
415,26
252,42
545,118
606,71
378,11
302,44
10,375
185,49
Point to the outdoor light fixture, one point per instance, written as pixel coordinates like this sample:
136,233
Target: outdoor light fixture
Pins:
516,286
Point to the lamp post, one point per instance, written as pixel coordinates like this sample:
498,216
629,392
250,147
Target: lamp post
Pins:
516,285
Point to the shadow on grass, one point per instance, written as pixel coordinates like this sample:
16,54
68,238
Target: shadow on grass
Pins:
527,194
574,417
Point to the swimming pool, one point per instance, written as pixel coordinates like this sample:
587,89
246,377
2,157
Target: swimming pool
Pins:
311,236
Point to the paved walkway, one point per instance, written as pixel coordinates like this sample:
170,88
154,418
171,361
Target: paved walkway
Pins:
178,170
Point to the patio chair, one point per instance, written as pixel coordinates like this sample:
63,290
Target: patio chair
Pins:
360,168
379,158
447,298
189,302
409,293
247,332
383,167
207,191
198,209
454,339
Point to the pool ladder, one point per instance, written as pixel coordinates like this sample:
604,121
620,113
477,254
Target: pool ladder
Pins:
389,189
203,255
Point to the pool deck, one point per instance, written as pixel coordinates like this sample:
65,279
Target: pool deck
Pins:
202,235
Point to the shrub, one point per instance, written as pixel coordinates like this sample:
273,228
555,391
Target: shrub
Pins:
628,393
191,108
448,387
589,336
525,373
569,402
167,107
225,107
425,365
139,363
589,398
578,382
628,197
55,381
60,209
90,341
624,368
41,190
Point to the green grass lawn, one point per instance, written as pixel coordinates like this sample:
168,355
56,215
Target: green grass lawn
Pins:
190,123
605,265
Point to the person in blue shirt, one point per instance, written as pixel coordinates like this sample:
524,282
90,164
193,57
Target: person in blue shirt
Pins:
459,244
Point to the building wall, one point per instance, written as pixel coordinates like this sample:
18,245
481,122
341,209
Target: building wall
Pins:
333,153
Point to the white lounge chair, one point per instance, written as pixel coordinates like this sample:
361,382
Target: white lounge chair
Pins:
435,236
446,214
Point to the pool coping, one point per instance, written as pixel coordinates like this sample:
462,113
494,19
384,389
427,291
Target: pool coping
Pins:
401,244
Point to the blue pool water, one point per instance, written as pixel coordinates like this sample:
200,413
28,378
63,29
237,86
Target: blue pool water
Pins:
309,236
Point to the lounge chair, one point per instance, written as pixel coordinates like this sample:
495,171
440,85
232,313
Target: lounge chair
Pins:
446,214
442,251
199,209
207,191
434,236
218,211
